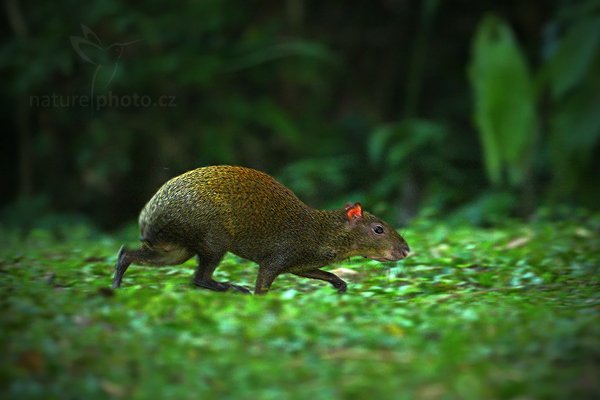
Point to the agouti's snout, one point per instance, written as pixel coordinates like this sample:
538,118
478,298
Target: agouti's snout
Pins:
212,210
399,254
402,252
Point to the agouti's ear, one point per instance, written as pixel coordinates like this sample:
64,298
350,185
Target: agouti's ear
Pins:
353,212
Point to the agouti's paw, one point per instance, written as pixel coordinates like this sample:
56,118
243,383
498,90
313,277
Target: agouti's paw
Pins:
237,288
220,286
341,286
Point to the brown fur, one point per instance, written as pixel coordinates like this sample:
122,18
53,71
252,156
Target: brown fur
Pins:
209,211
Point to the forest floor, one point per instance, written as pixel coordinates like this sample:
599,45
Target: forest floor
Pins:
474,313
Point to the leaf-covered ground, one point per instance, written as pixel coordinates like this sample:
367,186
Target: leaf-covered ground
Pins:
505,312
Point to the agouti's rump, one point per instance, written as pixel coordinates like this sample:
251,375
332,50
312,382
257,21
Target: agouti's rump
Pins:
212,210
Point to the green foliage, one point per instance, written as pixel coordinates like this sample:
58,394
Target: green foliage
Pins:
572,73
574,55
241,91
473,313
406,143
413,154
504,101
319,178
375,92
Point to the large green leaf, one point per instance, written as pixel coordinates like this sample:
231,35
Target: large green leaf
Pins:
504,101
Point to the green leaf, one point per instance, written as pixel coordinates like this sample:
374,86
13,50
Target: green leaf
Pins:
504,101
576,52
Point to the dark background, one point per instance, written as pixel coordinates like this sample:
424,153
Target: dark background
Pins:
384,102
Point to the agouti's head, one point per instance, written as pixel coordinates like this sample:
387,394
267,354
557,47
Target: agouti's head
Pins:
373,238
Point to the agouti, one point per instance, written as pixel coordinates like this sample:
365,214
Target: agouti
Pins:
212,210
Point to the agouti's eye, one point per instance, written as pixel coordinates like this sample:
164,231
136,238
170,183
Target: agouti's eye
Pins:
378,229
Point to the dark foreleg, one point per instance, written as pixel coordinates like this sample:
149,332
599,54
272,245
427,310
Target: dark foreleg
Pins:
335,280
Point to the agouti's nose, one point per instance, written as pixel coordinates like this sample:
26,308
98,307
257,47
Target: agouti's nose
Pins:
404,251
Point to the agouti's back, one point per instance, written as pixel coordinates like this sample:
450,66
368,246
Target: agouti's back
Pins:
226,203
211,210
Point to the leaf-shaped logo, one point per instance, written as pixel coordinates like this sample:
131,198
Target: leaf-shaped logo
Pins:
90,49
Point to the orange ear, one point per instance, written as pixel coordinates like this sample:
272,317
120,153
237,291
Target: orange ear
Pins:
354,212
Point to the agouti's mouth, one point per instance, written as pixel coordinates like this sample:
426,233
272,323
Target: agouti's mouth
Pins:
383,259
394,256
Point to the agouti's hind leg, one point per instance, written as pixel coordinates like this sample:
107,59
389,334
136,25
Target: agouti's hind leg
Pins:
207,263
335,280
145,255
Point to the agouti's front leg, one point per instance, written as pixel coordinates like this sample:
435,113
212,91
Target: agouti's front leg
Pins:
335,280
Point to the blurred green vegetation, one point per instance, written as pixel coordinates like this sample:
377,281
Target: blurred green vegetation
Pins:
473,110
475,124
474,313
